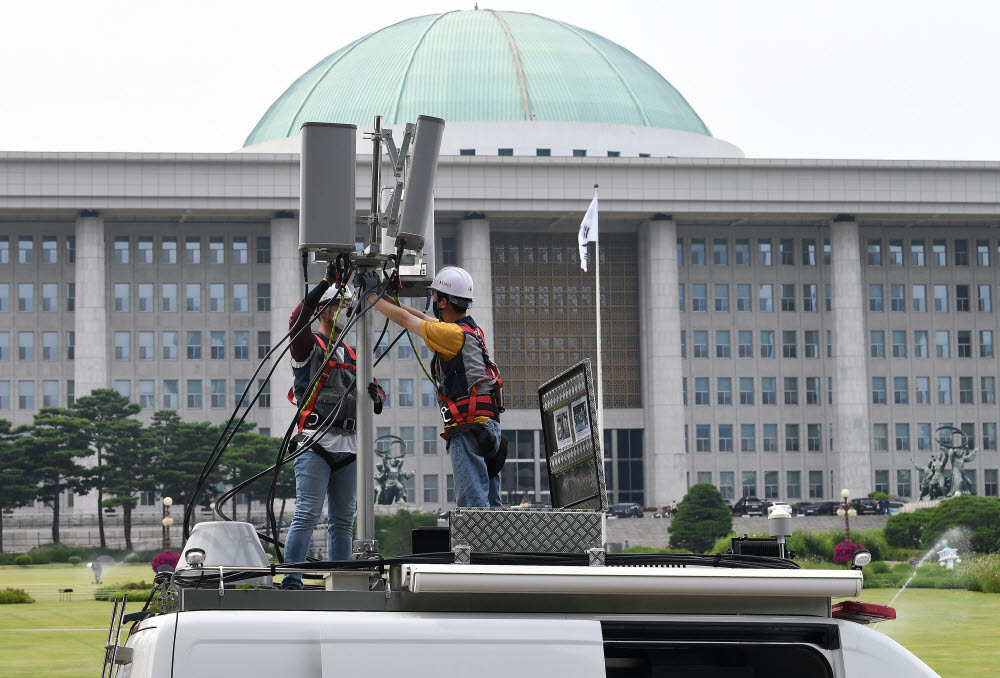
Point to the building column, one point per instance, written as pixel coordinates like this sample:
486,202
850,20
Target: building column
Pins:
666,463
851,435
474,257
286,293
90,366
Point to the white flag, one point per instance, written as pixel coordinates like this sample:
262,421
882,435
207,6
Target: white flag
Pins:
588,231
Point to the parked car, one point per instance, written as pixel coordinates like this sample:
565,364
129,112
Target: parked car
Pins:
771,505
866,506
804,508
748,506
263,527
625,511
827,508
894,507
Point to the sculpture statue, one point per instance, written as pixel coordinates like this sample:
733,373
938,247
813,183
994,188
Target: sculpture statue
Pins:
389,475
935,481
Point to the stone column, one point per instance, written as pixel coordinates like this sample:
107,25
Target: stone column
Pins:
90,367
663,404
474,257
852,429
286,292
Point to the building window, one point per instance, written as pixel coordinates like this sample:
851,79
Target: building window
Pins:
722,298
241,345
962,298
217,297
793,484
700,344
769,437
878,390
5,258
765,294
942,344
919,298
217,249
900,390
814,437
985,343
939,253
764,253
264,399
121,297
941,298
26,395
922,387
768,393
194,345
218,393
50,297
121,346
725,437
4,297
899,343
25,250
748,441
789,343
507,152
25,346
788,297
897,298
985,303
961,252
170,394
745,344
168,249
749,483
965,394
920,343
703,438
217,345
192,249
50,346
406,393
786,248
263,249
241,295
815,484
192,297
882,481
989,436
146,348
964,344
874,252
791,390
264,297
743,300
917,253
923,437
168,297
147,399
895,252
902,437
722,344
990,482
746,390
240,395
70,345
240,249
144,250
809,299
808,252
263,344
577,152
720,252
944,390
430,440
121,246
881,435
194,394
699,301
701,391
170,345
543,152
144,297
26,297
875,298
724,391
697,252
742,252
812,391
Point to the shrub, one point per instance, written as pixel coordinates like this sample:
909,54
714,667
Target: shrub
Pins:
75,560
878,567
979,514
55,553
843,551
166,558
23,560
878,495
936,577
11,596
133,595
40,557
7,558
132,558
983,573
811,545
906,529
874,542
702,518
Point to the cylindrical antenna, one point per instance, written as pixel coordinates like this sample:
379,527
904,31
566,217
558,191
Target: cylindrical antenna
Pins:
327,187
417,200
374,228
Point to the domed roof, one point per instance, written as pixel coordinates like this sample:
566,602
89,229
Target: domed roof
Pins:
480,65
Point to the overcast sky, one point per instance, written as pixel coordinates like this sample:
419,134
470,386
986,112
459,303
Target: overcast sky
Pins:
804,79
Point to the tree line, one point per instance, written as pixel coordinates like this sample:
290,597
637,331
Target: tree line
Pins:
98,444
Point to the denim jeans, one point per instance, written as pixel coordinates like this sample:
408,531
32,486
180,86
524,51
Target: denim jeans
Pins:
473,487
314,484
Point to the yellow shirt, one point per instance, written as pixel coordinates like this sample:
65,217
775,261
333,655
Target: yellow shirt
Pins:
445,339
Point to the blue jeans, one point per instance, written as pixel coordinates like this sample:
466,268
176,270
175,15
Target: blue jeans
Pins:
314,484
473,487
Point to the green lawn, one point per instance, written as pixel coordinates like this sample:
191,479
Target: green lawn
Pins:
952,631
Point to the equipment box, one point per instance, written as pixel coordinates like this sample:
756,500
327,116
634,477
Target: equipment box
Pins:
527,530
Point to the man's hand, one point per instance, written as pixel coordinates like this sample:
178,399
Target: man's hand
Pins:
369,283
375,392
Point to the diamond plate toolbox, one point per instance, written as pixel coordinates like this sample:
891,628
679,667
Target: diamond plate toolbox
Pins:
527,530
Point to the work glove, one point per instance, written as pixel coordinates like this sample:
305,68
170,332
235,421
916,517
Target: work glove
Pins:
369,283
375,391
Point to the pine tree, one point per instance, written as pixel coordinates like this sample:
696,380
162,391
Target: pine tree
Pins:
16,486
702,519
129,468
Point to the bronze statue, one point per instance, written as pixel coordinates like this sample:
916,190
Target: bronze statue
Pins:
389,475
935,481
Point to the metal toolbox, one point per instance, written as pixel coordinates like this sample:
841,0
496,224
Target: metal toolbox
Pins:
527,530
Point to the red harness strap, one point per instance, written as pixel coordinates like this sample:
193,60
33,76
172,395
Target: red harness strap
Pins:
330,365
476,405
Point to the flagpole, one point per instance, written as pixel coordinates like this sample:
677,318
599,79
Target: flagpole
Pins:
600,359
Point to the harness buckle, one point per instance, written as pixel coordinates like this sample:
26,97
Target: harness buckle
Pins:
312,420
349,425
446,415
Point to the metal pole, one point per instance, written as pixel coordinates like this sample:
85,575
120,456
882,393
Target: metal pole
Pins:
366,437
600,361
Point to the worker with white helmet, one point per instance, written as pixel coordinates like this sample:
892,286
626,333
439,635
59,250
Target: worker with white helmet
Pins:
468,382
327,471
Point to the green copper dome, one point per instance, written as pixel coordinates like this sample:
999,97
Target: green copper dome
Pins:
480,66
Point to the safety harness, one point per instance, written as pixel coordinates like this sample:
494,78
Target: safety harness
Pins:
452,377
310,418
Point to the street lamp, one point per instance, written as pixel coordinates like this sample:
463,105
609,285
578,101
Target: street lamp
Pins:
846,511
167,522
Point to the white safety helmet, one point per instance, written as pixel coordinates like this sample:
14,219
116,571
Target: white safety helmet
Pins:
453,281
332,292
